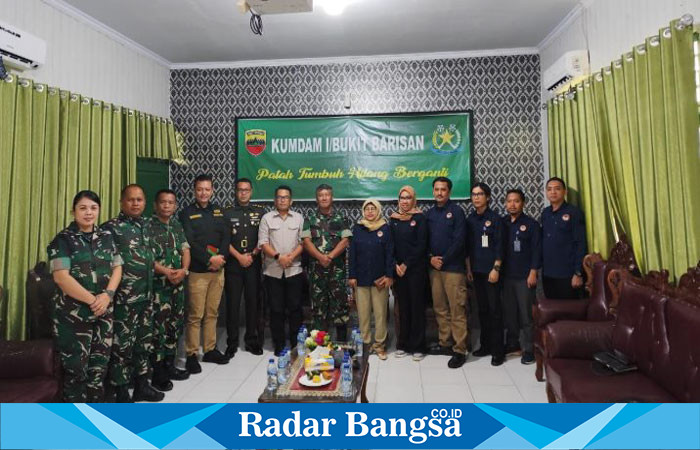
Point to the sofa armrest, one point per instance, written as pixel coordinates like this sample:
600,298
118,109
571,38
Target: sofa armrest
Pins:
577,339
26,359
548,310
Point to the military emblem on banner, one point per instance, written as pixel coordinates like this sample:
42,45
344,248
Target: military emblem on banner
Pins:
255,141
446,139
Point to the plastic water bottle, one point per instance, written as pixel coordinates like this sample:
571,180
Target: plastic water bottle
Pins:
306,332
359,344
346,380
282,368
271,375
287,363
301,348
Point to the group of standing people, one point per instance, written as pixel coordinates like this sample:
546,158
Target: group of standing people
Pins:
124,286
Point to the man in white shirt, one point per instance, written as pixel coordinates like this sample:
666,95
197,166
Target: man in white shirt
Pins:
279,236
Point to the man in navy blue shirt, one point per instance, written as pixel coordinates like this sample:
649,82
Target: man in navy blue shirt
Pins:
522,255
563,244
485,253
446,231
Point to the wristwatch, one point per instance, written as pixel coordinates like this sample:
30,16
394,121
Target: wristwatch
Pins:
277,256
187,272
110,294
497,267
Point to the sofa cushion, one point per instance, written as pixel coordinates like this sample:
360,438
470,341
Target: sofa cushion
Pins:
29,390
640,327
575,381
680,371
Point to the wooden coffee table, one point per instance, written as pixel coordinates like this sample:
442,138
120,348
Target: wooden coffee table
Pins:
359,382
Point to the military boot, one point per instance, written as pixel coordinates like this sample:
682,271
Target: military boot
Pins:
160,377
144,392
122,394
173,372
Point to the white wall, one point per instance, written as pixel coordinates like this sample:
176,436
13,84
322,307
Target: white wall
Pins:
89,62
608,29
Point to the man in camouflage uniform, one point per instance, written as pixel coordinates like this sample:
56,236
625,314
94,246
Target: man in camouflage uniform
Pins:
83,337
133,302
172,261
326,235
243,271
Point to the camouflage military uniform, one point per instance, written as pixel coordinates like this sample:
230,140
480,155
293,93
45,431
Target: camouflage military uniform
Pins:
83,340
167,242
133,301
327,285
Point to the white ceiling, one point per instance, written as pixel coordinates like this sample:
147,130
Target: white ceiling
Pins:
192,31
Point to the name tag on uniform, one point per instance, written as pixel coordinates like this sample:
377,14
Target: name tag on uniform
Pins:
484,240
516,246
196,216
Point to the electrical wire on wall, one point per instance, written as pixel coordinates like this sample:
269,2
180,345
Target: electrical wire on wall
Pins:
256,25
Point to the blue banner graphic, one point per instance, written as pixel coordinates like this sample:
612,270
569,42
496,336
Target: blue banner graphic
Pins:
379,426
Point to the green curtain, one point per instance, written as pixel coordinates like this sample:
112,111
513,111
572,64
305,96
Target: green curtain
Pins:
626,139
54,143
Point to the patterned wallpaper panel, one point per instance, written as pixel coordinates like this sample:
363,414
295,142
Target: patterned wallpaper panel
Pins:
502,91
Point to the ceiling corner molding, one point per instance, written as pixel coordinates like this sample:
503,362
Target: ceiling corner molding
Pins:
113,34
355,59
565,22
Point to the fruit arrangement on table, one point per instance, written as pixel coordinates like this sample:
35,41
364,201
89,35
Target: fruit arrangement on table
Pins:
319,363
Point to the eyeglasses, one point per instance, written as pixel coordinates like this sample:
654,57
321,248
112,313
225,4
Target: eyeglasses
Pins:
283,197
478,194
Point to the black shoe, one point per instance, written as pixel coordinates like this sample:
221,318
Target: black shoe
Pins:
497,360
481,352
161,381
122,394
144,392
341,333
192,364
230,351
437,349
527,358
457,361
173,372
215,356
255,349
278,352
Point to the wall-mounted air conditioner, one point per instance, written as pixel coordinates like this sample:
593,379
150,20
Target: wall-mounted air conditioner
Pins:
19,49
571,65
280,6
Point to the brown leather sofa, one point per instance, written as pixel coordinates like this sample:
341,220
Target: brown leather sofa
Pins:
595,308
656,327
29,372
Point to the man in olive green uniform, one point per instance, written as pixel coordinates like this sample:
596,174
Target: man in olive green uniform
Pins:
326,235
133,301
83,339
243,268
172,261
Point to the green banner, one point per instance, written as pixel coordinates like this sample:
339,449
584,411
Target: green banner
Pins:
360,156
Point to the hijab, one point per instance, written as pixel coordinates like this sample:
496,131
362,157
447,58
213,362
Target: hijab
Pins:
378,222
406,215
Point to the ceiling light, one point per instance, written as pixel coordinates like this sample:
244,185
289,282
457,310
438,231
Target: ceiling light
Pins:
334,7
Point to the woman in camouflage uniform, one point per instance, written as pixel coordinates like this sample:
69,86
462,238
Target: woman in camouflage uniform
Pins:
87,269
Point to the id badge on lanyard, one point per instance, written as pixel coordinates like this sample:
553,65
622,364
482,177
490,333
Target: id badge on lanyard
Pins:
516,242
484,240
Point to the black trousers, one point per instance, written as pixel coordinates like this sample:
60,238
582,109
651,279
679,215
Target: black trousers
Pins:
488,296
410,293
247,282
560,288
284,300
517,313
